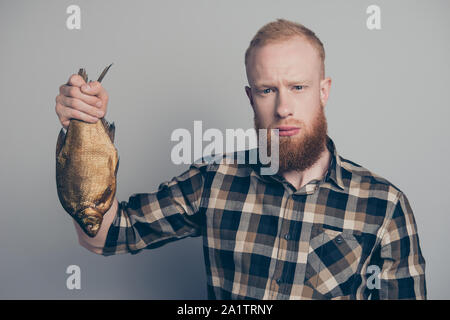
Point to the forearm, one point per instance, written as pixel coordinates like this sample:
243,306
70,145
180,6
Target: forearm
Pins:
97,243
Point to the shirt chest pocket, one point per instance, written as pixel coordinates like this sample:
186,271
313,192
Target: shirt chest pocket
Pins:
333,260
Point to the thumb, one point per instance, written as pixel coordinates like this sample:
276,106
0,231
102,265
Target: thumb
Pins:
95,88
76,80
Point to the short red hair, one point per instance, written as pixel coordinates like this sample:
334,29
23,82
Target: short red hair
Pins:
282,30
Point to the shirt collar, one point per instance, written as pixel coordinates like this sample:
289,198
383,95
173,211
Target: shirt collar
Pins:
334,172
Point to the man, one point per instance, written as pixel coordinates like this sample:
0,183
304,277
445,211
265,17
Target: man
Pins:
323,227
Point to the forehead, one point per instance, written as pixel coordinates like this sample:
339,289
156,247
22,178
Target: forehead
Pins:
292,58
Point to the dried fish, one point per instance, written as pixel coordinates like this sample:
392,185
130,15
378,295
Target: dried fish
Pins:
86,169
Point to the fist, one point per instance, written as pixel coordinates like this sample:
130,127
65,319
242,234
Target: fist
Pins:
80,100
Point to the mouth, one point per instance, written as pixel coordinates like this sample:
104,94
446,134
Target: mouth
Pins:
285,131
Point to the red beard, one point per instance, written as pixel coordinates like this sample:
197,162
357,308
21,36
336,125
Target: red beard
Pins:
301,151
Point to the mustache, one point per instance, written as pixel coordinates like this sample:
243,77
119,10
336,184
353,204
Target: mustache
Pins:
292,122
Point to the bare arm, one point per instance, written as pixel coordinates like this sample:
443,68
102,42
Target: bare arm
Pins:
97,243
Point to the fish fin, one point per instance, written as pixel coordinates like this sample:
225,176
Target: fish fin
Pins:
60,141
110,129
83,74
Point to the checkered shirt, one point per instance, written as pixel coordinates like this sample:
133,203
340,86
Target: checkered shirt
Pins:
350,235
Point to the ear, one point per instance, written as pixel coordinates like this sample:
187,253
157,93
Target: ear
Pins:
325,86
248,91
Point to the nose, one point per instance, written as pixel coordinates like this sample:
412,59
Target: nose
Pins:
284,107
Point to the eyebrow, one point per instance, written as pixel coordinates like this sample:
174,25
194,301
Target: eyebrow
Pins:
263,84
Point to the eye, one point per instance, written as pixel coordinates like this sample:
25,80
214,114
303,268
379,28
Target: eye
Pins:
266,91
299,88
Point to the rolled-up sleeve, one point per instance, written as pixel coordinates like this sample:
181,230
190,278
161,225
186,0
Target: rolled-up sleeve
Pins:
403,265
149,220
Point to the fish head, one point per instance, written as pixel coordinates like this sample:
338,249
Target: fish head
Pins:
90,220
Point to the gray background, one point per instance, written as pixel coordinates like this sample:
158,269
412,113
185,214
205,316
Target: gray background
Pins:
180,61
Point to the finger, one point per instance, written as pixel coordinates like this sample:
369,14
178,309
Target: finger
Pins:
95,88
76,80
61,115
79,115
65,124
75,92
66,113
80,105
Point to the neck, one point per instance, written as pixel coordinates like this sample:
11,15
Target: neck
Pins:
300,178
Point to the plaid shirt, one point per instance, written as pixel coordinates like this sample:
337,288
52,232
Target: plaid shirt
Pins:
350,235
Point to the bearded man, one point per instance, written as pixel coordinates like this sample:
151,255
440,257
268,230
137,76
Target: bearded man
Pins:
322,227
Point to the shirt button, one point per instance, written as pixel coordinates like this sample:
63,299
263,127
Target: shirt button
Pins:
287,236
339,239
279,280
